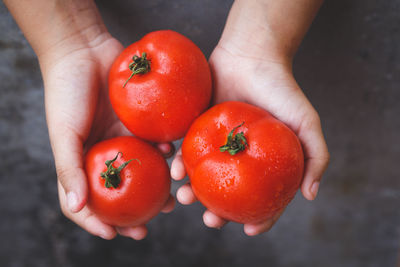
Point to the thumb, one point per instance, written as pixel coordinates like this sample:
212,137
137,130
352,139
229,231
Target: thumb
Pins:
68,155
316,155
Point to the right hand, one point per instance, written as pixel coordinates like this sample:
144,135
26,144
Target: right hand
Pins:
79,115
268,84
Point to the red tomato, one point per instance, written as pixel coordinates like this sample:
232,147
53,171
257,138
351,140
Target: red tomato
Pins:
133,195
171,88
254,176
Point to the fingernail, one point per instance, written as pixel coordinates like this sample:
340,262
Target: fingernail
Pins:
250,231
167,150
314,189
72,201
103,234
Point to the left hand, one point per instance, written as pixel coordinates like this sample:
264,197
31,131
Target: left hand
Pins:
79,114
269,84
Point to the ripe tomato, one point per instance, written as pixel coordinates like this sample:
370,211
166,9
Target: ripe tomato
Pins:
159,85
244,165
128,180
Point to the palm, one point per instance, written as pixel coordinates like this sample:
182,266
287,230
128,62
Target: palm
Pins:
81,80
77,105
79,115
269,85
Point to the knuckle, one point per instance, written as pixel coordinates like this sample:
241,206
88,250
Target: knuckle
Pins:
310,121
327,157
66,176
314,119
62,176
62,173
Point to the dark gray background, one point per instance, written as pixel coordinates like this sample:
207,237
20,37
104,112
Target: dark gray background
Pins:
348,66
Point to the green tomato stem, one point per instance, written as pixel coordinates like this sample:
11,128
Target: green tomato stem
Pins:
112,175
235,144
139,65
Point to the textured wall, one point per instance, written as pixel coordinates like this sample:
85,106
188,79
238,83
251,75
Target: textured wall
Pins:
349,67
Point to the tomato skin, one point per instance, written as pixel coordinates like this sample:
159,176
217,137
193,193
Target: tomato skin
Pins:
252,185
145,183
160,105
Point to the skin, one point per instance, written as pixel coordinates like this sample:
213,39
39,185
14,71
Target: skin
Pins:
264,36
75,52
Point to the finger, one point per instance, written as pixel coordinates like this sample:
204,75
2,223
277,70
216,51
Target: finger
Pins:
213,221
316,155
95,226
314,168
86,219
177,168
137,232
293,108
252,229
185,195
117,129
68,155
169,205
167,149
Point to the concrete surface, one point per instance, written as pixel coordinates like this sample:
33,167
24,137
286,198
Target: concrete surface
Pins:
349,67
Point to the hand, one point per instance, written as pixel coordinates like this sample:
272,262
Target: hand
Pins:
267,83
79,115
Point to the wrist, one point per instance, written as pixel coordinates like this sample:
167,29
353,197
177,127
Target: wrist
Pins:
262,48
268,29
82,30
248,31
55,28
72,42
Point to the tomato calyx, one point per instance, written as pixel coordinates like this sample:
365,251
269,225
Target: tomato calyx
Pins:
111,175
139,65
234,144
